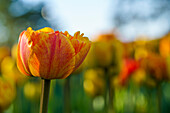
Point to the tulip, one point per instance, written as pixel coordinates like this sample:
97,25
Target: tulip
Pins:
9,70
4,51
7,93
106,51
94,83
164,46
156,67
14,51
139,76
129,66
32,90
50,54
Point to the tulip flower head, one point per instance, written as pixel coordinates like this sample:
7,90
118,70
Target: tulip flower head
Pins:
50,54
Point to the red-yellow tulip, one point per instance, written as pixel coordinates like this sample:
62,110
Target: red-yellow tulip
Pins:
50,54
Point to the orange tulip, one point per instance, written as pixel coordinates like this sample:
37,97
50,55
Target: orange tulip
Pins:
164,46
50,54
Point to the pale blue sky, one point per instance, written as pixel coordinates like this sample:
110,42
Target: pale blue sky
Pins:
96,16
88,16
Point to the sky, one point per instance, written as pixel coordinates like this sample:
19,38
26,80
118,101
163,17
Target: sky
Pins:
93,17
87,16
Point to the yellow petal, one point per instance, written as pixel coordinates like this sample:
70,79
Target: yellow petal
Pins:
46,30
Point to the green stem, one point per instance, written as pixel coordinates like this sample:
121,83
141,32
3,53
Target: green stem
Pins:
106,91
44,96
159,95
67,96
91,105
18,101
109,94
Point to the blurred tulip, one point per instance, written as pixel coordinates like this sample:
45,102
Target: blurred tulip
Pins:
7,93
100,55
14,51
140,42
117,57
93,82
90,61
4,51
153,46
155,66
32,90
103,53
139,76
129,66
128,50
106,51
164,46
115,82
50,54
140,53
106,37
10,70
149,45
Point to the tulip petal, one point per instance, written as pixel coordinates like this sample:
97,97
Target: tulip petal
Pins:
19,61
25,50
82,46
46,30
53,56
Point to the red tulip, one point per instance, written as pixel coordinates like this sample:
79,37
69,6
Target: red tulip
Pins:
128,68
50,54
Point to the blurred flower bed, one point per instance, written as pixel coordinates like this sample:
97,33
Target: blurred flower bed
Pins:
116,77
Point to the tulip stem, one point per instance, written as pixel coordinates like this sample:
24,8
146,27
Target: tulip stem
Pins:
159,95
67,96
44,96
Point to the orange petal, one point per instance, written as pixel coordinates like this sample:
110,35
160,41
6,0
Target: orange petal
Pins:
82,46
19,61
52,57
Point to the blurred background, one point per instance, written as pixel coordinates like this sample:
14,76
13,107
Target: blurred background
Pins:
126,71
